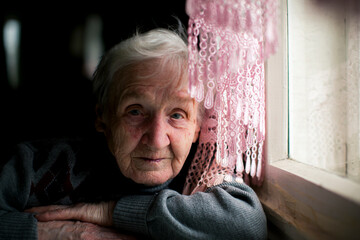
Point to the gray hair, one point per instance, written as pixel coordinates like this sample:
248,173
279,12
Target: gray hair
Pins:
167,46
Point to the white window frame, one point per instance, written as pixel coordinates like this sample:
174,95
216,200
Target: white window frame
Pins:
301,202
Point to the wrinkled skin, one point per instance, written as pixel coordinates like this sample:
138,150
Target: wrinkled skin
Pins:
80,221
62,230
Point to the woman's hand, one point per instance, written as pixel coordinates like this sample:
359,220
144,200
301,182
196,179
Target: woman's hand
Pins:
99,213
81,221
62,230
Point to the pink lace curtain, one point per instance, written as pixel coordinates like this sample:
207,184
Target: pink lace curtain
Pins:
228,43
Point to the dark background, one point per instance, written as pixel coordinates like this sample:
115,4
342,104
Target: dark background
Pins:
54,98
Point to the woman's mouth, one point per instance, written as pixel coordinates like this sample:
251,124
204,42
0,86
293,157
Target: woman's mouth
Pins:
152,159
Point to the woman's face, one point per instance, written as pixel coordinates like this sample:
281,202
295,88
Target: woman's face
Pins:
152,129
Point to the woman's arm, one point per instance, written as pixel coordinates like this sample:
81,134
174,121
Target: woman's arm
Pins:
226,211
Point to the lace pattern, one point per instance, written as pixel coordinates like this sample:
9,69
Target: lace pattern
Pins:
228,42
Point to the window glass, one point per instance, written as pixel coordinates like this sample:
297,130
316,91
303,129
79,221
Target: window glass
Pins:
323,43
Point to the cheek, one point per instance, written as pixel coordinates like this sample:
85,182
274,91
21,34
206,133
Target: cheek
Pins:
132,128
124,138
181,147
132,132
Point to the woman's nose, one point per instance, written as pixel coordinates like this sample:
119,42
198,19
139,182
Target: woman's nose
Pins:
157,135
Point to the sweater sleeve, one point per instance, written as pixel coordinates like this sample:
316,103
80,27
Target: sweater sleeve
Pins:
15,180
226,211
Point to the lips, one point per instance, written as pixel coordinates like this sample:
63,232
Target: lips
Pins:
152,159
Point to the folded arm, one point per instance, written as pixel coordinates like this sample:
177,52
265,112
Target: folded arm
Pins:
226,211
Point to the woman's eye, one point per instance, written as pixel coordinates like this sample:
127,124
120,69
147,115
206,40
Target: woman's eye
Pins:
177,116
134,112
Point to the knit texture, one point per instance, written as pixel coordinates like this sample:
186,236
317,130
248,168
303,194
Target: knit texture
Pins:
16,225
130,213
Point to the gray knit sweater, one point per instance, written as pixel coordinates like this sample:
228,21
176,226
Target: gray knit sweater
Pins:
67,172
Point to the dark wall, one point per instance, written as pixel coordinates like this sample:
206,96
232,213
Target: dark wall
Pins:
54,98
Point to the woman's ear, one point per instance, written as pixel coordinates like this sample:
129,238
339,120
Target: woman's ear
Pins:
99,121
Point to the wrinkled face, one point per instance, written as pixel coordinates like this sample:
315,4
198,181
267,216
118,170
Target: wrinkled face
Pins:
152,130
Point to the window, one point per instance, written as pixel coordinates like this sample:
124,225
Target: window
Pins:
312,188
323,63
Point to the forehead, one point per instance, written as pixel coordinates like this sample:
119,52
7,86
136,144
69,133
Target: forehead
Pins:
157,93
153,77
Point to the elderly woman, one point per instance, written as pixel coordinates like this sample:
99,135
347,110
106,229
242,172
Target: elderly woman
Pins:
129,180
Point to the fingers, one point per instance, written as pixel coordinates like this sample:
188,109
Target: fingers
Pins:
78,230
100,213
56,214
43,209
97,232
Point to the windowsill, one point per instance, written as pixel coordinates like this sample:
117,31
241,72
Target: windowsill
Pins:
303,202
321,178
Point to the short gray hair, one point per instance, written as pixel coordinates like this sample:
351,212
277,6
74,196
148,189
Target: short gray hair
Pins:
168,46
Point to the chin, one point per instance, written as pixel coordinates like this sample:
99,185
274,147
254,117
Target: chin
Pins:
151,179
